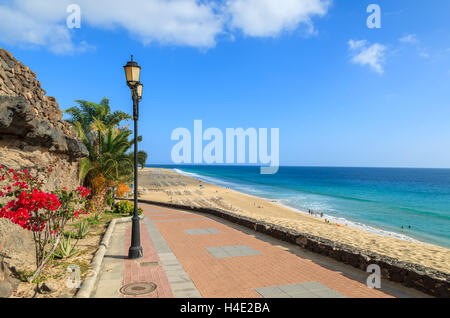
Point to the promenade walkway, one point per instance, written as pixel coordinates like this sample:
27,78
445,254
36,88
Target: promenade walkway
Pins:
195,255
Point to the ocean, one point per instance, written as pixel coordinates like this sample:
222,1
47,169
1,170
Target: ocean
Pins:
378,200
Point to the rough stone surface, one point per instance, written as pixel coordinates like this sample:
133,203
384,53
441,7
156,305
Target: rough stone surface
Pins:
16,243
32,136
17,121
32,132
7,283
16,79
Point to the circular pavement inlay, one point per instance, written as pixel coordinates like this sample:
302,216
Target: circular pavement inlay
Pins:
136,289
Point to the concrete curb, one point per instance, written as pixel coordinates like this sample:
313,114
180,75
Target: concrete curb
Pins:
88,284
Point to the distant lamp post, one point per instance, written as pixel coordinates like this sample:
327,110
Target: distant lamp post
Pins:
133,73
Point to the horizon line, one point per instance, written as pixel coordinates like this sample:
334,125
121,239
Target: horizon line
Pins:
291,166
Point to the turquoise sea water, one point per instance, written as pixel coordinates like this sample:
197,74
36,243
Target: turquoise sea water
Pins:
380,200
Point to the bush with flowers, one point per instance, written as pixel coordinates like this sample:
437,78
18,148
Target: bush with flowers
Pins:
122,190
45,214
125,208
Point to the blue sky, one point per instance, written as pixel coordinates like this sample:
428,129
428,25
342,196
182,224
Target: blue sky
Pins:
342,94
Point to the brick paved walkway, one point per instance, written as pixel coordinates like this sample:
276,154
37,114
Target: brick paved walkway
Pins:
222,261
193,255
144,270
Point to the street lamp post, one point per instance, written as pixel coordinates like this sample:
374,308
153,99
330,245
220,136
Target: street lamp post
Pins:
133,72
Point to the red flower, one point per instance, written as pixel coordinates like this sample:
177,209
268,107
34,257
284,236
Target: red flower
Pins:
84,192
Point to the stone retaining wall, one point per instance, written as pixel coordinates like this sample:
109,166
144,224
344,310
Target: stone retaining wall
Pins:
16,79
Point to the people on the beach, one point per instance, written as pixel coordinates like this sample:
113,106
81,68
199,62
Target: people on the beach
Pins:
409,228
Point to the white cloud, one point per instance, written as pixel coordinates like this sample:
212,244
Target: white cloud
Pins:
268,18
194,23
177,22
19,27
410,38
356,45
424,54
365,54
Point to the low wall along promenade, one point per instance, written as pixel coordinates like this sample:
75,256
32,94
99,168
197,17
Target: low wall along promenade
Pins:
415,276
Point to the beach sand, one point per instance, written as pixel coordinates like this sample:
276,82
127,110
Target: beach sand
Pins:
167,186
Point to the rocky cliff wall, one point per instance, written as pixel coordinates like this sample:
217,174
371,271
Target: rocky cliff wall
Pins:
32,136
32,131
16,79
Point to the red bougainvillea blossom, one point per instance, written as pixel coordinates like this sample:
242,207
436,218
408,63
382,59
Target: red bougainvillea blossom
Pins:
30,207
43,213
20,211
84,192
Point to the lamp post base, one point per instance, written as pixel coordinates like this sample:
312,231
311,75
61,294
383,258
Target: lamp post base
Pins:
135,252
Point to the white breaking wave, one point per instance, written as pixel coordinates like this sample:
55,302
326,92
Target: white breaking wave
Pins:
204,178
285,203
357,225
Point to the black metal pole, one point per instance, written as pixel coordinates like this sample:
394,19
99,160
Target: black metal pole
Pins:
135,251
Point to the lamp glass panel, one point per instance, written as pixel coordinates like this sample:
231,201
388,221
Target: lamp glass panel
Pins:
128,73
136,72
133,74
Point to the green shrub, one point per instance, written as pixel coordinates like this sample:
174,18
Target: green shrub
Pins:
23,275
82,230
94,220
125,208
66,249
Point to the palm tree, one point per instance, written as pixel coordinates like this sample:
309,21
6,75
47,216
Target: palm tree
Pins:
142,158
88,112
109,162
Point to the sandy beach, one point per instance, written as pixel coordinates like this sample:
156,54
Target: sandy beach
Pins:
167,186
